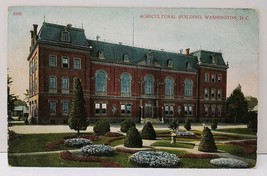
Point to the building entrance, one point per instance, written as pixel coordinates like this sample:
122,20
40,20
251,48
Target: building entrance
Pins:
148,111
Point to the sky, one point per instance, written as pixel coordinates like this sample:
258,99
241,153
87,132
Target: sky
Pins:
234,32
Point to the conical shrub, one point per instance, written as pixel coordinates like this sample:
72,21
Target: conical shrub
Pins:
148,132
214,124
133,139
126,124
207,143
187,124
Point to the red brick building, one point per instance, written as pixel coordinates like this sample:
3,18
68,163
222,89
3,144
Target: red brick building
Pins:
121,81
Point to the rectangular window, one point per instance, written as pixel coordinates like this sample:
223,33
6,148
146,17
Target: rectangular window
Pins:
219,110
53,106
188,110
206,110
77,63
169,110
126,109
52,61
219,78
65,108
206,93
100,108
219,94
213,78
207,77
65,62
65,36
213,110
212,93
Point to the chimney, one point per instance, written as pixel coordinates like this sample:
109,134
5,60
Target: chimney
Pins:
187,51
35,26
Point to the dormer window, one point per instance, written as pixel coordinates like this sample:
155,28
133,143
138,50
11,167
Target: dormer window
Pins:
188,65
126,58
101,54
213,59
169,63
149,58
65,36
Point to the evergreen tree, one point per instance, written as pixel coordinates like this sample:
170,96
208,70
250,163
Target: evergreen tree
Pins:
237,106
207,143
11,98
78,116
133,138
148,132
187,124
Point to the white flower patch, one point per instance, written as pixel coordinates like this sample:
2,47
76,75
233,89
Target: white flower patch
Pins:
77,142
229,163
155,159
97,150
184,133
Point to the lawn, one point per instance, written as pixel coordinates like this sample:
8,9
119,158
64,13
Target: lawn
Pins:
238,131
178,144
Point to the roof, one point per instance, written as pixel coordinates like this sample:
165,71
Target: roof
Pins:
210,58
52,32
115,53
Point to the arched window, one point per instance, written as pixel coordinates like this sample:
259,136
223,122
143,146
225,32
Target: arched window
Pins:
169,86
125,84
101,82
149,85
188,88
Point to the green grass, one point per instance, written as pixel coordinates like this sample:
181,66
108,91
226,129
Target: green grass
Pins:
236,150
238,131
178,144
196,163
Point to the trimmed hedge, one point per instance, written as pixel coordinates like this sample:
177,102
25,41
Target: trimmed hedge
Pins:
148,132
207,143
101,127
214,124
133,139
126,125
187,124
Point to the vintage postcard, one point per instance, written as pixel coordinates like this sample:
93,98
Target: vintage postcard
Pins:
132,87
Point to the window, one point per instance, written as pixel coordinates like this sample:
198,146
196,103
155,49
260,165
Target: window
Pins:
125,84
213,93
219,93
65,85
169,86
126,109
52,84
77,63
213,78
149,85
101,82
206,110
65,62
169,110
101,54
52,61
188,110
206,92
53,106
219,78
100,108
65,36
149,58
188,88
207,77
65,107
169,63
126,58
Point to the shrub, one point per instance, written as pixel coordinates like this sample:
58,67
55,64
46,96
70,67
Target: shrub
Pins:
101,127
77,142
207,143
148,132
155,159
97,150
133,139
214,124
187,124
173,124
229,163
126,125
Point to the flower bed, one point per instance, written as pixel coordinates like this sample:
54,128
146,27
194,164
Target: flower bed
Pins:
54,145
113,134
155,159
77,142
97,150
229,163
184,133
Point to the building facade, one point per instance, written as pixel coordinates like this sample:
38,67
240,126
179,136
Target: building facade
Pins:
121,81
